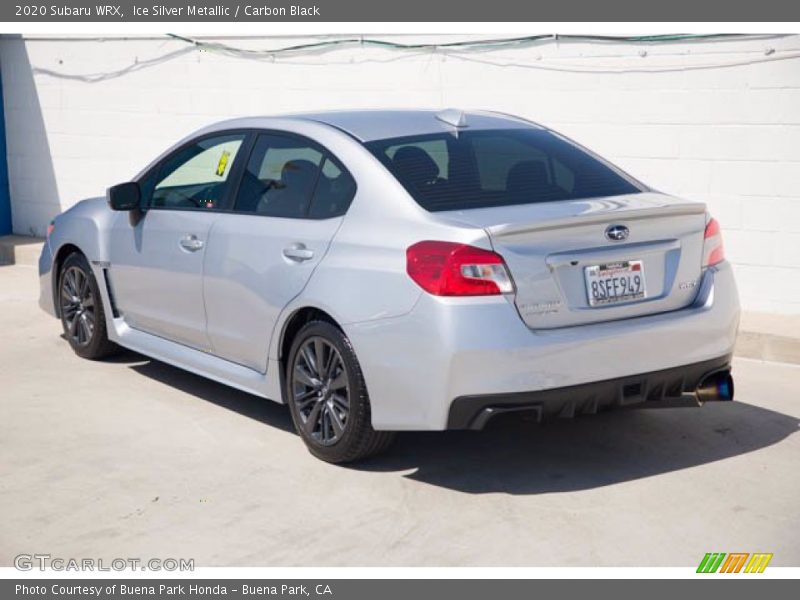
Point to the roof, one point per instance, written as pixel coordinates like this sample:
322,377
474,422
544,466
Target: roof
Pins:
368,125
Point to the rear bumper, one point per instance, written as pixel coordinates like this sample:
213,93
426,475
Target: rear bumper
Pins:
473,412
417,365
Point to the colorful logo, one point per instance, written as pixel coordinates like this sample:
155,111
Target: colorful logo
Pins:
735,562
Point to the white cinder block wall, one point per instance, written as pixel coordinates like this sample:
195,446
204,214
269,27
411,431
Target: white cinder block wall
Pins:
82,114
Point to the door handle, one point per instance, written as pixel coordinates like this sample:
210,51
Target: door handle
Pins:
191,243
298,252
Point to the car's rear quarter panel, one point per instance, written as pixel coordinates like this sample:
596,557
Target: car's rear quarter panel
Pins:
416,365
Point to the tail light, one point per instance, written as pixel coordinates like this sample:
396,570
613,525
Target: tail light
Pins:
51,227
713,251
451,269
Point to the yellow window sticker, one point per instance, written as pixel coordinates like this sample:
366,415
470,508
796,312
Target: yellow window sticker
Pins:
223,163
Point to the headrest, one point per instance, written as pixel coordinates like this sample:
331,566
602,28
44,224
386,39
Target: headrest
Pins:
298,173
416,165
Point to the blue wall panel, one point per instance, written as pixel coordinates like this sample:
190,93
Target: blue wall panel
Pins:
5,197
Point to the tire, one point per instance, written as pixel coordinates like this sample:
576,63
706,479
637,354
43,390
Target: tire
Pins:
81,307
333,430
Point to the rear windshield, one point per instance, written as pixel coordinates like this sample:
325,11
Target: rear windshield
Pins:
475,169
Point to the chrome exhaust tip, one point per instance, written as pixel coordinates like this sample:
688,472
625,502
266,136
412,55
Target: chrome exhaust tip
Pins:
716,387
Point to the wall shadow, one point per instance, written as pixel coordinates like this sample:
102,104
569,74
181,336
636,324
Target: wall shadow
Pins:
32,180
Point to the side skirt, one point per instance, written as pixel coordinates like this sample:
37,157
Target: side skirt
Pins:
199,363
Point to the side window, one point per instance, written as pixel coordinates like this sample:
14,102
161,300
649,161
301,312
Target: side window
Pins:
334,192
280,177
197,175
293,178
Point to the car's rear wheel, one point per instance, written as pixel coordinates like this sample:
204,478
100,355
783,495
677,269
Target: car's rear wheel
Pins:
328,398
81,308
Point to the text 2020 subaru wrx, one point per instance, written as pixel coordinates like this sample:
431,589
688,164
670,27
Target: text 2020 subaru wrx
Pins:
400,270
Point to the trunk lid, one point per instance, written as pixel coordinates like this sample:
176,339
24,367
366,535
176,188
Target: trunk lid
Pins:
548,247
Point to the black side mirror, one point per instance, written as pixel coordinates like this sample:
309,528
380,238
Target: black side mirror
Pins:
124,196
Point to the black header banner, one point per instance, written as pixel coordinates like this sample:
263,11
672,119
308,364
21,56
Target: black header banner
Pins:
41,11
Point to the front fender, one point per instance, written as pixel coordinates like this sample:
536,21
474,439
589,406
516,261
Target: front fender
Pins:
83,227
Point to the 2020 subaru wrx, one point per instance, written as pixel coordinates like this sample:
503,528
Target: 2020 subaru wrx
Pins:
381,271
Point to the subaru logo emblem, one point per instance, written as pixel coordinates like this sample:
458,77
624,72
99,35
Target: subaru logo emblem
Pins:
617,233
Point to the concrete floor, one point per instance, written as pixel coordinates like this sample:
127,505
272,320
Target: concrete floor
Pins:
133,458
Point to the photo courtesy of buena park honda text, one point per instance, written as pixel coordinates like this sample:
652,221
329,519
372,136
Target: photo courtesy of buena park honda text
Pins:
351,300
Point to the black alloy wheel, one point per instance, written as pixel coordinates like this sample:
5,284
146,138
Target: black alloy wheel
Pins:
328,397
81,308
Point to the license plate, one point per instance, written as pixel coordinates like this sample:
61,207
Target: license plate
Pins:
614,283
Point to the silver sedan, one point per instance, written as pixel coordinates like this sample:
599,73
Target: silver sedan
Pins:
381,271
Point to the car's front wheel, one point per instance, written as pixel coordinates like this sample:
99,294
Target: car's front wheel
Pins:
81,307
328,398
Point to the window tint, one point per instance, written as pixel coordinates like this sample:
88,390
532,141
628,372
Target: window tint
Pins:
196,176
497,155
423,156
563,177
477,169
290,177
334,192
279,178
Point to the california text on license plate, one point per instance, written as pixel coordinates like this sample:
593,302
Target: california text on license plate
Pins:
613,283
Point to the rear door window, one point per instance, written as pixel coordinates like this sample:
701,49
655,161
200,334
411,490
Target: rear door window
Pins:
334,192
291,177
